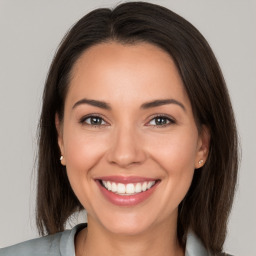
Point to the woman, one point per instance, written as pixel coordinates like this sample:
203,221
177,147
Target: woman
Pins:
137,128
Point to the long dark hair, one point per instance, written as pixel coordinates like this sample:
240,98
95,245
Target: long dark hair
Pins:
206,207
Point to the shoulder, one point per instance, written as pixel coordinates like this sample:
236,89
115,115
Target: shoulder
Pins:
41,246
59,244
194,247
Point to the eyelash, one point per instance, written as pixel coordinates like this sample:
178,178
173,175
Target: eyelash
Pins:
83,120
169,120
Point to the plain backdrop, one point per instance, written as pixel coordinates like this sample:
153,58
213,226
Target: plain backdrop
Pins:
30,32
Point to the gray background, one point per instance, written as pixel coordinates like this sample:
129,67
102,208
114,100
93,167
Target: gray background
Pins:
30,32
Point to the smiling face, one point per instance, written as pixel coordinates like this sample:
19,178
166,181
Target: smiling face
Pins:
129,139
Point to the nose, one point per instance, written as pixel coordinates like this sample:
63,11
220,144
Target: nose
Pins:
126,148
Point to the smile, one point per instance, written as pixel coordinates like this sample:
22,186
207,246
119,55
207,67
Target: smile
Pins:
127,191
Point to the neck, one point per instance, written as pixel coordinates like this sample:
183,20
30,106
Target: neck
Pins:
161,240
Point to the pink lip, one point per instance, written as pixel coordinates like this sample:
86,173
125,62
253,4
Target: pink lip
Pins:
131,200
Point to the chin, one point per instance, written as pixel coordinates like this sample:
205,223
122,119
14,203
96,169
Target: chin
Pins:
129,224
128,228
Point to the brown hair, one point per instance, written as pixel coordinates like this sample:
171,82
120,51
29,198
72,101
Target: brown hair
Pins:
206,207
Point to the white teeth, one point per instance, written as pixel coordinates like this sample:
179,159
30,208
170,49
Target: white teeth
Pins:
114,187
150,184
144,186
120,188
128,189
138,188
109,186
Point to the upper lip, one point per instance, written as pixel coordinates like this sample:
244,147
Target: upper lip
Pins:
125,179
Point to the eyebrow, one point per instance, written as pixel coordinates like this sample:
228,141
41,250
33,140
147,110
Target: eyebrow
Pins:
157,103
95,103
147,105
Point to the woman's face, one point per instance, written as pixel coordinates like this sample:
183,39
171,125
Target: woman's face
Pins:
129,138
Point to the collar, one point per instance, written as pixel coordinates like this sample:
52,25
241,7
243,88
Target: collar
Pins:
194,246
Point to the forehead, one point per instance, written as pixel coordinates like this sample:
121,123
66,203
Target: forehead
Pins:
111,68
140,53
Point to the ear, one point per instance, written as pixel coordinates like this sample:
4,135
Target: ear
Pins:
59,129
203,146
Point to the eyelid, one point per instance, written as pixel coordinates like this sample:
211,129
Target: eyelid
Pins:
168,117
83,118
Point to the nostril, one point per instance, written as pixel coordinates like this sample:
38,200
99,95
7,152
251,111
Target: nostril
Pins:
125,148
126,158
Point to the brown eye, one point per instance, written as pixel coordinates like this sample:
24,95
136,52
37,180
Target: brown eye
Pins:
161,121
93,120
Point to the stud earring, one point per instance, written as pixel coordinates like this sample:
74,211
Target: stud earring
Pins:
62,161
200,162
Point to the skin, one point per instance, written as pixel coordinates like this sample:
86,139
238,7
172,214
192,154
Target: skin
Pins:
128,141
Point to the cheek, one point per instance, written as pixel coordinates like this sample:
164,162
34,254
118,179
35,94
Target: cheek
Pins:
176,157
82,152
176,151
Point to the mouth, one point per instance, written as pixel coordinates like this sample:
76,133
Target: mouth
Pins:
127,191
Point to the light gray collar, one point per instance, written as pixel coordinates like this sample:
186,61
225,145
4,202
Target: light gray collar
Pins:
194,246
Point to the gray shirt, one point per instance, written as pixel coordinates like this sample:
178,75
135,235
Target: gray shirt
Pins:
62,244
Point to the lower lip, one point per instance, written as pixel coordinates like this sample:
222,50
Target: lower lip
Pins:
131,200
